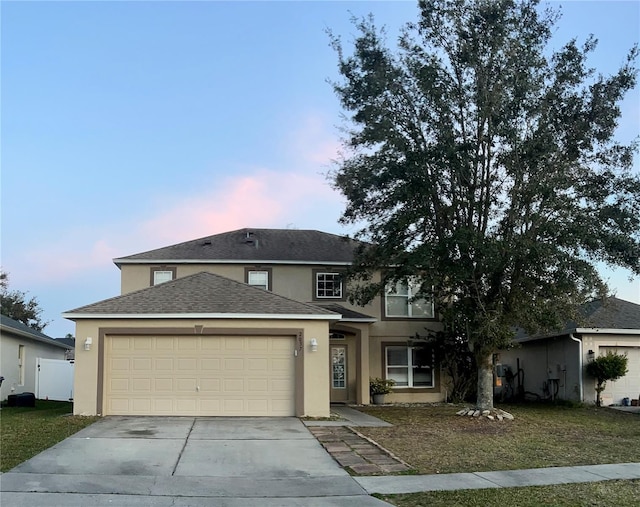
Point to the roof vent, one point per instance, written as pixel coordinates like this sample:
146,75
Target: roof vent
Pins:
206,242
249,238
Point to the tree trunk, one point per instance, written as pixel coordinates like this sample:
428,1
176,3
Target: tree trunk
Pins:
485,382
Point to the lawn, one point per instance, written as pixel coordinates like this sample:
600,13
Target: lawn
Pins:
27,431
596,494
433,439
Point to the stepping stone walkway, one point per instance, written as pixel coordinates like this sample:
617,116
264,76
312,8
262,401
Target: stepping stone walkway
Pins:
357,454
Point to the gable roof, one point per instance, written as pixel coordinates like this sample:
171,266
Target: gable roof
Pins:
610,315
11,326
202,295
261,245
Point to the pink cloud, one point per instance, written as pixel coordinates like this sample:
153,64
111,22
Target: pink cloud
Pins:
261,198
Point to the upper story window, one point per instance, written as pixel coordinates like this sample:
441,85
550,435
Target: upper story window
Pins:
258,279
328,285
410,366
400,301
161,275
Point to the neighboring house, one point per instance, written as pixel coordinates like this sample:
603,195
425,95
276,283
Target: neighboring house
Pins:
553,365
20,346
71,343
248,322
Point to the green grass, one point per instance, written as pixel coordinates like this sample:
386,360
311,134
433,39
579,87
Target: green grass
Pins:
433,439
27,431
595,494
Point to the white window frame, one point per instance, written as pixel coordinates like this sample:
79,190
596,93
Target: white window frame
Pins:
261,285
157,280
334,276
409,366
412,289
22,360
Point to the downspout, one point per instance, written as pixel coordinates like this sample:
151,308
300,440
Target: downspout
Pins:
580,364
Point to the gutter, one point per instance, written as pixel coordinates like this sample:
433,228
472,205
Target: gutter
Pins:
580,364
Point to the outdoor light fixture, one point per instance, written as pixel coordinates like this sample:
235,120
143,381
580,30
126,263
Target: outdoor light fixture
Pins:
314,345
87,343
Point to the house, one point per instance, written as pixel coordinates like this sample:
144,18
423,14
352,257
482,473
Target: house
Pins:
552,366
20,348
247,322
71,342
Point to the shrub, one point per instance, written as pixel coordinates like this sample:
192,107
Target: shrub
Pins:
612,366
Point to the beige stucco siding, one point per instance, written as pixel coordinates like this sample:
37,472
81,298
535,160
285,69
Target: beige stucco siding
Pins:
311,371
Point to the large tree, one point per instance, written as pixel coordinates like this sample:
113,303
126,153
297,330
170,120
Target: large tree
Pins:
16,305
486,164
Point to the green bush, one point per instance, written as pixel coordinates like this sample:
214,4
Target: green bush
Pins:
612,366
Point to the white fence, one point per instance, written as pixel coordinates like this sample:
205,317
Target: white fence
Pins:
54,379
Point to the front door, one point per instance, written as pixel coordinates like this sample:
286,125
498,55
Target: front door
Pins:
339,382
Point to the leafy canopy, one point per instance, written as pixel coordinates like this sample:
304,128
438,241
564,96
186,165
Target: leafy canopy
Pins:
479,159
15,305
487,166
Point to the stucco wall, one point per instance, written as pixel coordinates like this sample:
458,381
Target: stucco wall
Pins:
312,386
9,363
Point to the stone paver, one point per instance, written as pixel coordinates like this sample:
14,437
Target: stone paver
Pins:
356,453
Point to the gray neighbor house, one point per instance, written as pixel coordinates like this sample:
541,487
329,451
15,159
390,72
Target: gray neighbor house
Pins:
552,366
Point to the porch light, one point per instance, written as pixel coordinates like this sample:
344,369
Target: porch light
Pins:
314,345
87,343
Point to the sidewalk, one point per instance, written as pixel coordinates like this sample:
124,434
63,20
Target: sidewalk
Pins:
362,456
395,484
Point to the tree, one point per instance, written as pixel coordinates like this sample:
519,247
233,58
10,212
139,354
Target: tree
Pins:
15,305
487,166
604,368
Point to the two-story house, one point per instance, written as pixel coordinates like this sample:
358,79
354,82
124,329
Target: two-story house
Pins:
248,322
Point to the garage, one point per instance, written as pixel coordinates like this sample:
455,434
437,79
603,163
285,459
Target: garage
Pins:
199,375
629,385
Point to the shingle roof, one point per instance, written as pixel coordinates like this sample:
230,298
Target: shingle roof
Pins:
610,313
347,313
202,294
10,325
256,245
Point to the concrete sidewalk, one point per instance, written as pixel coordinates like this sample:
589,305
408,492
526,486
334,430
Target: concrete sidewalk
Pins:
396,484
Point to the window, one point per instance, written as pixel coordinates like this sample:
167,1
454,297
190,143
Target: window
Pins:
338,368
400,302
410,366
258,276
328,285
258,279
162,276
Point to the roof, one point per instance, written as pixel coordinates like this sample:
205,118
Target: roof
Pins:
610,315
203,295
11,326
348,315
263,245
71,342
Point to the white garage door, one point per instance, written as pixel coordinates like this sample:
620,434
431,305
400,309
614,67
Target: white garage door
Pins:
629,385
203,375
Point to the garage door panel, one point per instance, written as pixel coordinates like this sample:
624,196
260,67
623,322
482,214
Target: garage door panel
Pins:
199,376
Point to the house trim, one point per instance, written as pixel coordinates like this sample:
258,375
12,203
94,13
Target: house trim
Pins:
274,316
118,262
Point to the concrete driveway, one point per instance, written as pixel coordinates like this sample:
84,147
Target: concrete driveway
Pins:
185,461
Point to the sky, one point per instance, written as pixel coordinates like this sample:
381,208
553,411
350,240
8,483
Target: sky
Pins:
128,126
